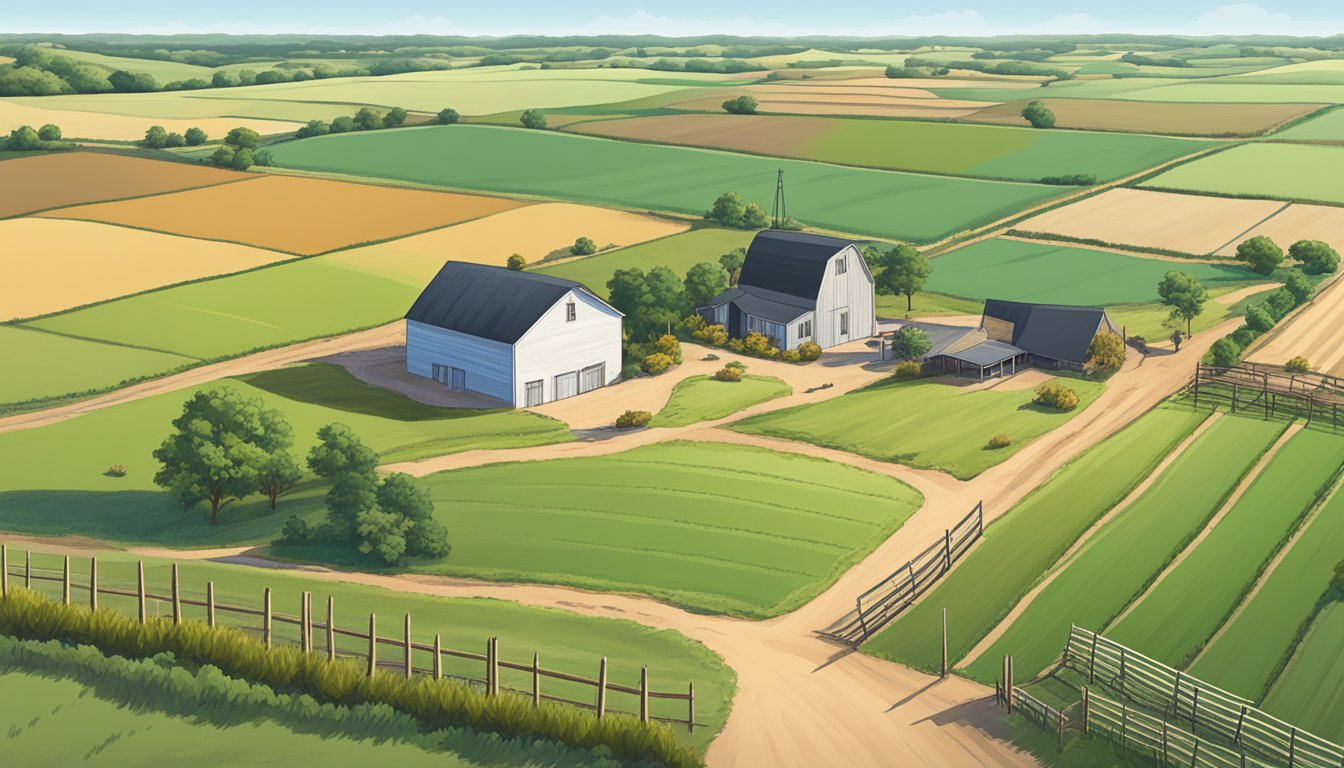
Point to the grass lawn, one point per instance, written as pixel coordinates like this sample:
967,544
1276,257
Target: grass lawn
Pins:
1279,171
678,253
713,527
43,365
585,169
1021,546
566,641
1184,611
1150,320
1129,552
63,489
930,424
925,304
1310,692
701,398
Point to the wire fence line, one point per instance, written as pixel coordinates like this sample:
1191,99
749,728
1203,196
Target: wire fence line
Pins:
264,621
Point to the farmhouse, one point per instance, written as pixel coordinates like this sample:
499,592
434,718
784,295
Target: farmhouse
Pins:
520,337
1013,335
797,287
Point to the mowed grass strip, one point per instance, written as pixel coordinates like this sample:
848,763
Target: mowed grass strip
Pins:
1186,608
295,215
38,182
711,527
678,253
1308,173
936,424
586,169
701,398
1129,552
1310,692
1021,270
1029,539
40,365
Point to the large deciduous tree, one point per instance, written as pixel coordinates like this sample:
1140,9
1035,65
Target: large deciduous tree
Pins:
351,467
1182,292
1316,257
703,282
1261,254
904,270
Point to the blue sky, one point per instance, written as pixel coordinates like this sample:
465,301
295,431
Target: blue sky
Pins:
682,17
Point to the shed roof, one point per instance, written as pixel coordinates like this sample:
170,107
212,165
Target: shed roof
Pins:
1056,331
488,302
766,304
986,353
789,262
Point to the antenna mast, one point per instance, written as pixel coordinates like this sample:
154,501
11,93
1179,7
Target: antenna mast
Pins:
781,211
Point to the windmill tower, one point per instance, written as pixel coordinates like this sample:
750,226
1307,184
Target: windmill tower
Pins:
781,210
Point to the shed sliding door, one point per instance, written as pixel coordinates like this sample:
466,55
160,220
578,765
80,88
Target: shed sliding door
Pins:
566,385
592,377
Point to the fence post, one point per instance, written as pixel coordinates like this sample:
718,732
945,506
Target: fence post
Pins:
65,581
947,549
602,688
406,639
1087,712
1092,663
4,570
1292,748
437,666
1010,686
93,583
1124,724
373,643
140,588
536,679
644,694
266,617
1122,670
944,643
331,628
690,707
177,597
489,649
306,622
28,569
1194,710
1164,742
210,603
1175,695
1060,712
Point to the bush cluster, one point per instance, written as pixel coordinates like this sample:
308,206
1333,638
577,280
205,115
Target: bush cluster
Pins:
728,374
632,419
713,335
742,105
1298,364
1261,317
1106,353
656,363
1057,396
25,138
366,119
730,211
999,441
906,370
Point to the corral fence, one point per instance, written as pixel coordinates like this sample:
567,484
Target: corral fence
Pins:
875,608
1269,389
305,630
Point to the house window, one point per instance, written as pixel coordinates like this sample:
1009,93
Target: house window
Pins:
844,323
805,329
842,265
569,312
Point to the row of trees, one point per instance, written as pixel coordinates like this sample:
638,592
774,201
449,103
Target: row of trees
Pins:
157,137
1264,256
241,150
25,138
730,210
366,119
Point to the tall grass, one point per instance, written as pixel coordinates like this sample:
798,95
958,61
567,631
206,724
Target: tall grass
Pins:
436,703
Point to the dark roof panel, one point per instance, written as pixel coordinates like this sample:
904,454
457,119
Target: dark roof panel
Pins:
1055,331
789,262
986,353
772,305
488,302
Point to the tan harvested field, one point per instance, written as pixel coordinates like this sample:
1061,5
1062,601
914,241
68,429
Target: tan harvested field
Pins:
292,214
1299,222
1188,223
39,182
53,264
97,125
1155,117
534,231
878,97
782,135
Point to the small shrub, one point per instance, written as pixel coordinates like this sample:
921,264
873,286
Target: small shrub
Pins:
656,363
999,441
632,419
809,351
1038,115
742,105
668,344
533,119
1106,353
116,470
759,345
790,356
296,531
692,323
735,364
1298,364
1057,396
735,345
447,116
1243,336
907,369
710,357
714,335
584,246
516,262
1258,318
728,374
1225,353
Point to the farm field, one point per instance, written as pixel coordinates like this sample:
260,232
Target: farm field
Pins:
1325,72
1192,224
1298,221
1327,127
64,491
1029,539
1023,270
1297,172
1021,154
1147,117
293,215
81,124
934,424
534,231
83,262
188,106
714,527
701,398
678,253
39,182
1182,612
879,203
866,96
1310,691
1131,549
52,365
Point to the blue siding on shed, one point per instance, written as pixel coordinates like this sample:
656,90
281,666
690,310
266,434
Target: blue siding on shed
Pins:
489,364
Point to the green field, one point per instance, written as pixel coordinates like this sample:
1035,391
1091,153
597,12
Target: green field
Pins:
41,365
1185,610
1329,126
63,490
1130,551
1325,72
713,527
584,169
1020,270
1280,171
1029,539
1310,692
923,424
926,304
701,398
678,253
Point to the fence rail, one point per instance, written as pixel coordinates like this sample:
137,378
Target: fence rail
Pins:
885,600
24,574
1271,389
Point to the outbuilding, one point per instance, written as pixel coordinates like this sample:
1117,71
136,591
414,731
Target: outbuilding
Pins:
520,337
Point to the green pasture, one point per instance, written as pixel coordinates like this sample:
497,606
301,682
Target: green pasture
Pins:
1245,657
702,398
678,253
925,304
1130,551
714,527
1310,692
1187,607
1152,320
565,641
1324,72
930,424
1172,86
1273,170
41,365
1020,270
585,169
1025,543
1328,126
63,490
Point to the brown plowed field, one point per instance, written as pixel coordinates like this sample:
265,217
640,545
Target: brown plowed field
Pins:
1300,222
863,96
293,214
1155,117
39,182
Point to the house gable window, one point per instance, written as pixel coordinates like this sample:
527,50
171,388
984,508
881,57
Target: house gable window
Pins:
569,312
842,265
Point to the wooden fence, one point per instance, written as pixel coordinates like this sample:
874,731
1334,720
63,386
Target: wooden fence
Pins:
875,608
1269,389
263,620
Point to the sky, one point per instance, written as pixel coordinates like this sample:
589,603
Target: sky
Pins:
682,17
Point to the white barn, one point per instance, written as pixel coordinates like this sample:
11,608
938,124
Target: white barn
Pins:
520,337
797,287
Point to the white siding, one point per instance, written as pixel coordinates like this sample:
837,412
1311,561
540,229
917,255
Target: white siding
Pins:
489,364
553,346
794,337
852,291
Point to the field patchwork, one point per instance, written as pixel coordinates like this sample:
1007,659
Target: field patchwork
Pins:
83,124
678,253
1176,119
1298,221
1327,127
1297,172
702,398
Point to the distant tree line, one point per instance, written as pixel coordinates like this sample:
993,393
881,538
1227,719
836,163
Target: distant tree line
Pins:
366,119
26,138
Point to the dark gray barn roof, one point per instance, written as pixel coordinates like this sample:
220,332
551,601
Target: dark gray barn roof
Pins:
986,353
488,302
789,262
1055,331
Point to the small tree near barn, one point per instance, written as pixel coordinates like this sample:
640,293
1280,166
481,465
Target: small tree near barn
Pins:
703,282
516,262
904,270
910,343
732,263
1106,353
1039,115
1182,292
